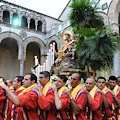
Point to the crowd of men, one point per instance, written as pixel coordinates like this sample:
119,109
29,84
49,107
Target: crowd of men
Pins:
26,101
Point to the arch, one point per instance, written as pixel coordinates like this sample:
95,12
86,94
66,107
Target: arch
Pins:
4,7
113,13
6,16
18,40
24,22
43,23
54,38
39,26
32,24
15,19
38,41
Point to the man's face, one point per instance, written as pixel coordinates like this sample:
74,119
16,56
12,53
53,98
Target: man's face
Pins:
43,81
74,80
101,83
27,81
90,83
15,83
118,81
112,84
8,83
59,83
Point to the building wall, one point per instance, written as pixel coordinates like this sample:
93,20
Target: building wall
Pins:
19,45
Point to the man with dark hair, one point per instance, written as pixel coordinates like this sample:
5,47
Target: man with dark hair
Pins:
62,100
27,98
116,94
108,102
46,96
78,98
15,112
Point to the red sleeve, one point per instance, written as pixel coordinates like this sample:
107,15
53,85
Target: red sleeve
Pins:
118,95
29,100
46,102
65,100
96,101
109,97
108,112
2,94
81,100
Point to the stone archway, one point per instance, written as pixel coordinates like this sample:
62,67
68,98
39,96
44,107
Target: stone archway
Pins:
18,40
10,48
40,44
54,38
113,15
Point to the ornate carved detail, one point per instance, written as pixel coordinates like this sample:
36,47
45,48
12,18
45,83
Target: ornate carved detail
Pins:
23,34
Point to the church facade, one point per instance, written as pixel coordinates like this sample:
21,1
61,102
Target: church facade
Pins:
25,33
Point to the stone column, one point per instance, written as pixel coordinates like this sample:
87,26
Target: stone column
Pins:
36,24
21,67
28,21
11,16
117,64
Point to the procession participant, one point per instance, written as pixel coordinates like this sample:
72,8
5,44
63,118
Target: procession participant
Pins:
27,99
62,100
108,102
95,100
3,103
78,98
116,95
9,84
46,99
15,112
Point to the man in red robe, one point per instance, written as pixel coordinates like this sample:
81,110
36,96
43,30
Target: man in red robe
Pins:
78,98
116,95
15,112
95,100
62,100
27,99
108,102
46,99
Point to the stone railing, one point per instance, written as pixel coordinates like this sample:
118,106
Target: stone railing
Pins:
58,28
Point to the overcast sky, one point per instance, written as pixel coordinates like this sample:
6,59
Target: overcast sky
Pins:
49,7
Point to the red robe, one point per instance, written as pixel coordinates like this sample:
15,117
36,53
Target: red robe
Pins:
29,103
108,112
117,109
64,113
47,104
3,99
94,107
14,111
81,101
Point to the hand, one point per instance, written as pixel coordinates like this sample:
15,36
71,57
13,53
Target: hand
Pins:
38,89
53,87
111,92
98,90
83,89
3,85
68,92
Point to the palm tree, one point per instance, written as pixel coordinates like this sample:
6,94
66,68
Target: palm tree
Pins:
97,45
84,14
97,51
